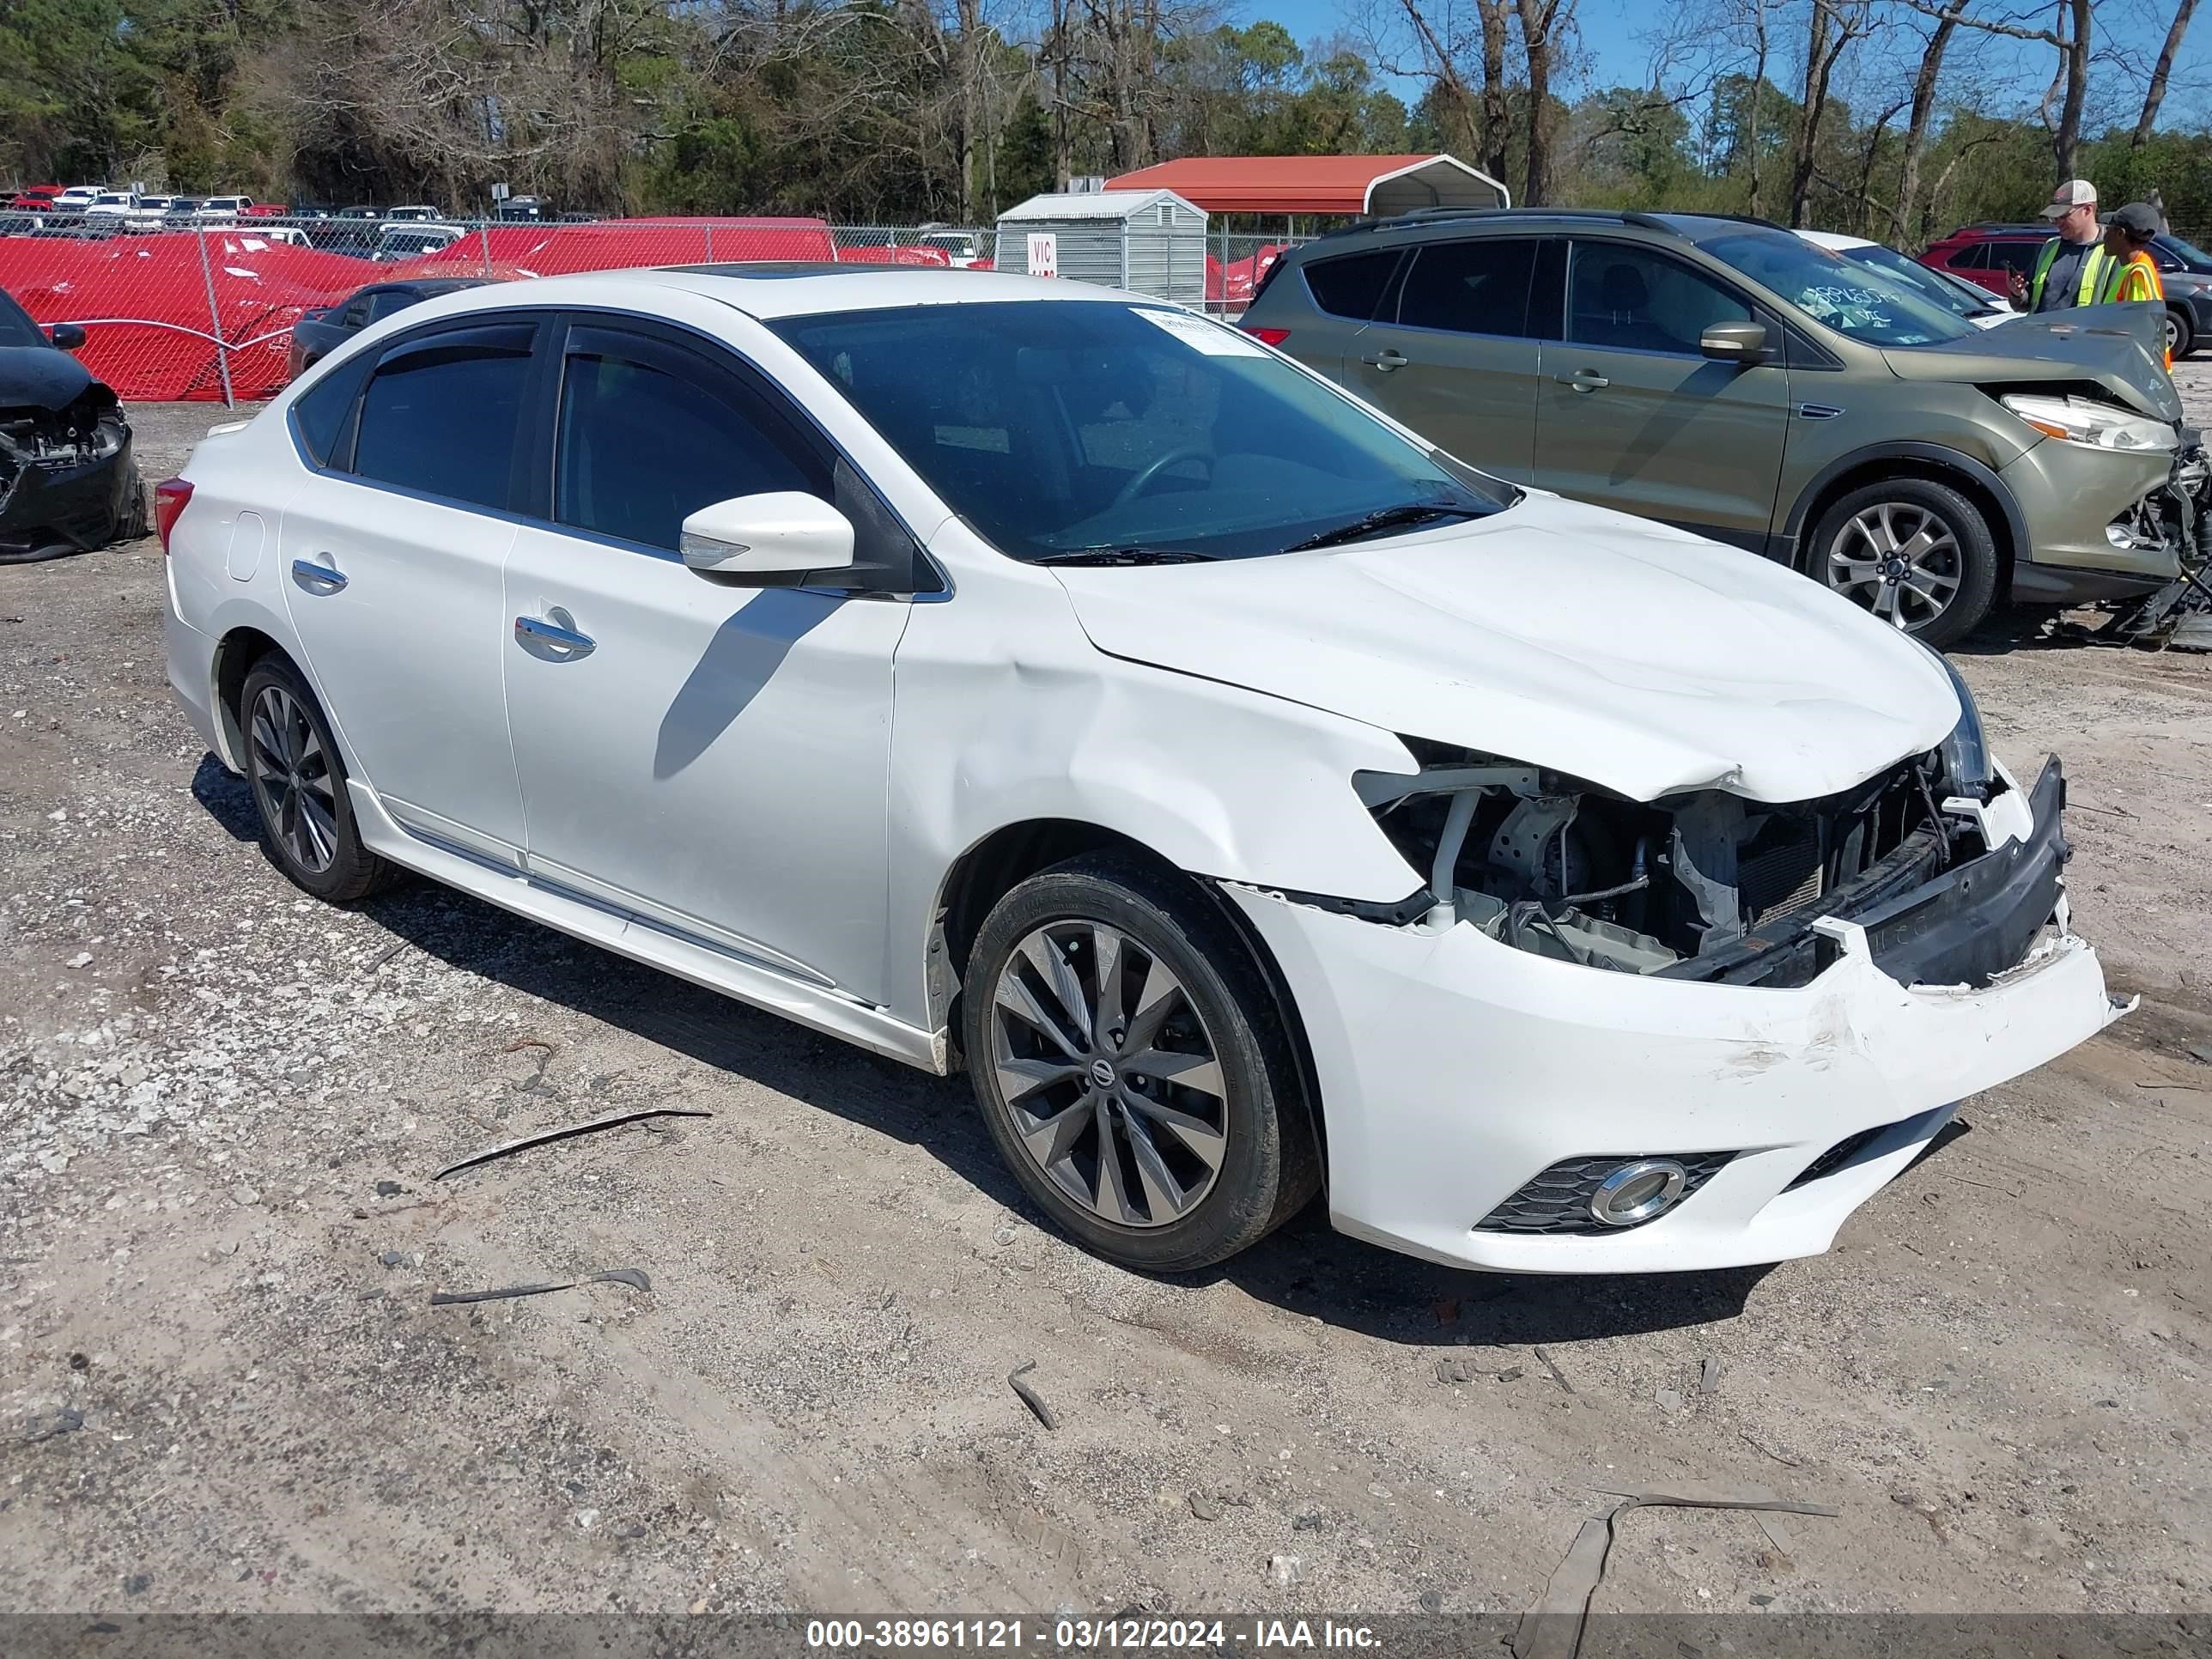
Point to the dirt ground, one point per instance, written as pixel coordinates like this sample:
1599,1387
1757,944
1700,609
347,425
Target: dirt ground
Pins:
222,1386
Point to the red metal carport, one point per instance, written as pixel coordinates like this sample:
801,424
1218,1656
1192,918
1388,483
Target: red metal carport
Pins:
1348,185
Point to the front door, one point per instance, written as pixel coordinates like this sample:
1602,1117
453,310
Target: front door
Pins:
1460,362
1633,415
392,561
708,757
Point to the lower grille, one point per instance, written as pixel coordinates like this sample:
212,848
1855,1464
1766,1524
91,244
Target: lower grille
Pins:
1840,1155
1558,1199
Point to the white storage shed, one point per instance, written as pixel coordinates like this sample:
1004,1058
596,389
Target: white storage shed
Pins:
1151,242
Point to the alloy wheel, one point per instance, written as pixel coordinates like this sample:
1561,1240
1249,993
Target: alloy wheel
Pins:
1899,559
1108,1070
292,777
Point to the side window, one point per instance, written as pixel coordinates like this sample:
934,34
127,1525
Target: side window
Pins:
1352,287
384,301
1975,256
356,313
649,434
442,411
2015,256
322,415
1637,299
1470,288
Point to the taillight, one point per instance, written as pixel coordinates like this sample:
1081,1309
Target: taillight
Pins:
1273,336
169,498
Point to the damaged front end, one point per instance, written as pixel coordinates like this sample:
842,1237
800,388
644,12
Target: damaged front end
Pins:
67,480
1950,872
2178,518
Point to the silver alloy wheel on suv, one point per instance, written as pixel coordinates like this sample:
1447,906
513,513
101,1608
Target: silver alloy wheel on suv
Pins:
1899,559
1112,1079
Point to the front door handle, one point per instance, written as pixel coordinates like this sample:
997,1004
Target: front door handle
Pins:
567,641
318,578
1585,379
1386,359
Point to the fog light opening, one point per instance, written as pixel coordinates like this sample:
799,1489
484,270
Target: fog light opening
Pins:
1639,1192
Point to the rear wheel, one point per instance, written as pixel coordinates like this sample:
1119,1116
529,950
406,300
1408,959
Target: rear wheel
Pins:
1916,554
1131,1066
299,786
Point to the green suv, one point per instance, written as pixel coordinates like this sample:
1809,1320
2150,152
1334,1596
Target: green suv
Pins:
1729,377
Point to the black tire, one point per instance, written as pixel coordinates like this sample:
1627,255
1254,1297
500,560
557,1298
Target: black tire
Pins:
352,871
1973,563
1267,1167
2181,332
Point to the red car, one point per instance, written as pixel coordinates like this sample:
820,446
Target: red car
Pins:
36,198
1988,255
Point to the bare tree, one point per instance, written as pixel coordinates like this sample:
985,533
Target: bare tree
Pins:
2074,39
1924,83
2155,94
1540,23
1834,25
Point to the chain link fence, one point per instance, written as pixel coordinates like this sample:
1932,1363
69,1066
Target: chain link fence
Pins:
197,308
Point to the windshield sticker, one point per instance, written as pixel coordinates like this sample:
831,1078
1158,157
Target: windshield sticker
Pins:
1211,338
1847,308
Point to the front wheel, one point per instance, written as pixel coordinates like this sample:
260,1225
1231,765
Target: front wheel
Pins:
1915,553
1133,1068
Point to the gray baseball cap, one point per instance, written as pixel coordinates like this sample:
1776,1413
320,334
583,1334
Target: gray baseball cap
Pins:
2073,193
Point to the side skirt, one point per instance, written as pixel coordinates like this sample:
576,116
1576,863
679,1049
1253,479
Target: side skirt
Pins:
641,939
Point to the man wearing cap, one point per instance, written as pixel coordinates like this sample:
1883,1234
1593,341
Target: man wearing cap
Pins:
2072,264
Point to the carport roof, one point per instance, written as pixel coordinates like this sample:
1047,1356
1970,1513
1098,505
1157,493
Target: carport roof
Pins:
1378,184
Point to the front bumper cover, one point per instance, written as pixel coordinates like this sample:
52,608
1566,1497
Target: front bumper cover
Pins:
1454,1069
54,507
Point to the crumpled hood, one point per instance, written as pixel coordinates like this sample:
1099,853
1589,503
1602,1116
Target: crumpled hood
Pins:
2120,348
1624,652
40,377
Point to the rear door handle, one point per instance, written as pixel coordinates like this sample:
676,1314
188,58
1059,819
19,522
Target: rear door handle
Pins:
567,640
1386,359
317,578
1585,379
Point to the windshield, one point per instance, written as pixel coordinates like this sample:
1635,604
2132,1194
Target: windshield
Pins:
1866,305
16,328
1953,296
1065,429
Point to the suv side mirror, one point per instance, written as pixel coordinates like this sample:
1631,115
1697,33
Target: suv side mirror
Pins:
68,336
1742,343
782,532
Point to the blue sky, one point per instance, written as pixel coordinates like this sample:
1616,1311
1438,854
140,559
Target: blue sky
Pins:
1616,55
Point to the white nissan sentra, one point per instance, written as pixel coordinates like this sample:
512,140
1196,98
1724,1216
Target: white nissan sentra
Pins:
1027,678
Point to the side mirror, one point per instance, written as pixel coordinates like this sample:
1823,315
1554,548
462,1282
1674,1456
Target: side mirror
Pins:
1741,344
68,336
782,532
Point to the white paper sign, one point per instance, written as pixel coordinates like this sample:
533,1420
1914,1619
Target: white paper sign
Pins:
1210,337
1044,253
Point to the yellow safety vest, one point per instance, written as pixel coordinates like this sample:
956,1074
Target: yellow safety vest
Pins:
2085,290
2134,278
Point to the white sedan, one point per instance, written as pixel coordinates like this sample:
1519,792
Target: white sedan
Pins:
1955,294
1011,675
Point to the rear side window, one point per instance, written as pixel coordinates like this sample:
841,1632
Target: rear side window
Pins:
442,411
649,434
1352,287
1470,288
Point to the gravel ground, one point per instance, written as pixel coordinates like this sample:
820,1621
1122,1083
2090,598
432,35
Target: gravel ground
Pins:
222,1386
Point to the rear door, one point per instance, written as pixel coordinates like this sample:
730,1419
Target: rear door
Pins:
1459,360
1345,295
391,559
1635,417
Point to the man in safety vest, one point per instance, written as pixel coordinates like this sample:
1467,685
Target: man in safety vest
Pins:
2072,264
